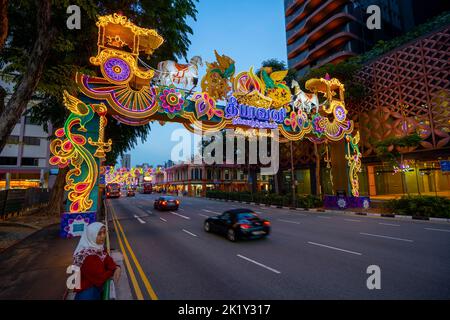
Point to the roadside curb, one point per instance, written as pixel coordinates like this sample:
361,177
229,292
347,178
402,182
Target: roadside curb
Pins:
26,237
17,224
369,214
123,289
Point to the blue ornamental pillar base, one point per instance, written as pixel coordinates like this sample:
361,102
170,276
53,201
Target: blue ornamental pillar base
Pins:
73,224
344,202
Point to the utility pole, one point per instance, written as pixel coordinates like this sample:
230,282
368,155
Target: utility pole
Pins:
292,175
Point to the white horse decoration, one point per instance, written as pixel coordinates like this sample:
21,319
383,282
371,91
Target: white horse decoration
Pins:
170,72
304,101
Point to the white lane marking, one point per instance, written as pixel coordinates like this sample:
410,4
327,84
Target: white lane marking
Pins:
215,212
264,208
139,219
352,220
180,215
259,264
443,230
194,235
289,221
389,224
334,248
258,212
149,212
163,219
203,215
181,209
386,237
323,217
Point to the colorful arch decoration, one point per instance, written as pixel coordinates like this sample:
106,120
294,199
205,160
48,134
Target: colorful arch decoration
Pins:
129,92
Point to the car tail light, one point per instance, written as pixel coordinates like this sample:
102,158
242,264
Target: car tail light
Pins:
164,203
266,223
245,226
107,194
177,202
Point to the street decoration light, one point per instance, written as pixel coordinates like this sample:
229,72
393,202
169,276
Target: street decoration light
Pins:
134,93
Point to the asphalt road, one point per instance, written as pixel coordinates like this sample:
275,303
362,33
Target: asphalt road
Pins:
307,256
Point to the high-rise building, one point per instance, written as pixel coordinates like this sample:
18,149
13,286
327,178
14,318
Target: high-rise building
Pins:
126,161
24,159
329,31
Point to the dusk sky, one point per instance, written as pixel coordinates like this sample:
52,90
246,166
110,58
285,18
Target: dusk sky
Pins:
249,31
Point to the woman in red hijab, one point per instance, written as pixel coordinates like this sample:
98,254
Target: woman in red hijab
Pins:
95,264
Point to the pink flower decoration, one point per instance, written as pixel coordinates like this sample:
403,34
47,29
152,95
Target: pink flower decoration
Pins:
171,100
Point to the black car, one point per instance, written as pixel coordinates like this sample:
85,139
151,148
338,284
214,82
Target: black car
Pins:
166,203
238,224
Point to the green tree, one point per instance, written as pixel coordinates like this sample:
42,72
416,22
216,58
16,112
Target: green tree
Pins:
346,73
68,51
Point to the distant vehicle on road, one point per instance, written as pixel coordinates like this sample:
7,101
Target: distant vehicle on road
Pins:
238,224
147,187
166,203
130,193
112,190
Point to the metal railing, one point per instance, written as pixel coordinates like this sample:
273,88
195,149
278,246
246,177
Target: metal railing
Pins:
16,201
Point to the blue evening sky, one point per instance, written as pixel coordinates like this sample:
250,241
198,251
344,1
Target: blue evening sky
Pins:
249,31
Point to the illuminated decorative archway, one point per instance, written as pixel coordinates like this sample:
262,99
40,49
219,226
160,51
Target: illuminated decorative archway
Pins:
135,95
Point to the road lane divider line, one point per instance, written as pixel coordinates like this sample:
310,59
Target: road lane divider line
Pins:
194,235
289,221
258,263
180,215
137,289
442,230
385,237
141,272
162,219
149,212
139,219
334,248
389,224
352,220
215,212
323,217
203,215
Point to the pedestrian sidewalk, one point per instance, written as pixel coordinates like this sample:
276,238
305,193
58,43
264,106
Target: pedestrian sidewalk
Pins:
35,268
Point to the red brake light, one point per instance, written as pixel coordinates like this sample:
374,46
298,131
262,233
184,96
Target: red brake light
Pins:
177,202
266,223
245,226
107,194
164,203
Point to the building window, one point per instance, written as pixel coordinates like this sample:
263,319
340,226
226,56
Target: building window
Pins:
30,162
32,141
227,175
29,120
8,161
12,140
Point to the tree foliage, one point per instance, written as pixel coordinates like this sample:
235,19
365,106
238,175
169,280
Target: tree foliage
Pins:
345,72
71,50
387,149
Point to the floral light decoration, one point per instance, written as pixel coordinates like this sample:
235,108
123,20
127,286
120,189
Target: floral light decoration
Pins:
353,157
73,150
206,106
171,100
